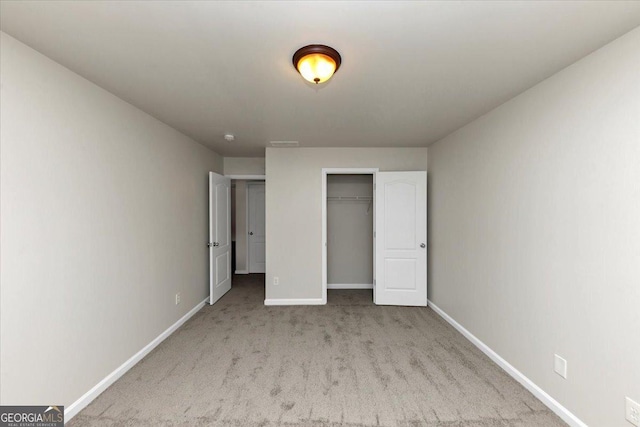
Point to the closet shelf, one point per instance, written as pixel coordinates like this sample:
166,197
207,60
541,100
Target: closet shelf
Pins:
350,198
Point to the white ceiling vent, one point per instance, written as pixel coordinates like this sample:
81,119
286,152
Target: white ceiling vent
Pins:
284,144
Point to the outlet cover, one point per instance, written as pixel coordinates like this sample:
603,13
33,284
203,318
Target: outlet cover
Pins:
633,412
276,281
560,366
178,298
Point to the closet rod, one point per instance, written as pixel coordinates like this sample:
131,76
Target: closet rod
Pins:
350,198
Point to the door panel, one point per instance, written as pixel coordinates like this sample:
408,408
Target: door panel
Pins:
401,237
222,271
219,236
400,273
223,207
400,224
257,259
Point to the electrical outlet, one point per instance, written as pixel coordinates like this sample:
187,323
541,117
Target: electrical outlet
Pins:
276,281
178,298
633,412
560,366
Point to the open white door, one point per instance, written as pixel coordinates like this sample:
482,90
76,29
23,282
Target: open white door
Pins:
401,238
219,236
257,258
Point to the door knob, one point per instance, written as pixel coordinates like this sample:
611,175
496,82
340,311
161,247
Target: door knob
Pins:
251,233
422,245
209,244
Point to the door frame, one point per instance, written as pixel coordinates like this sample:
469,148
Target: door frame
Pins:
341,171
259,178
247,210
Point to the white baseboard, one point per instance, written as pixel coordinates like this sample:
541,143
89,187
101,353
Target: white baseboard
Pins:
299,301
543,396
350,286
242,272
77,406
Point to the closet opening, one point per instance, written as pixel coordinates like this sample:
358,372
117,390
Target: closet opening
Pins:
348,236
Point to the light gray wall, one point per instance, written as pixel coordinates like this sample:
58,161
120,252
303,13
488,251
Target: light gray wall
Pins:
104,218
349,230
534,239
244,165
294,209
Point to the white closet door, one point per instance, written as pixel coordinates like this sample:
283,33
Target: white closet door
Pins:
257,258
401,238
219,236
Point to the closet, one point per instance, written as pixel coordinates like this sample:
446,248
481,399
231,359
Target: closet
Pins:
350,231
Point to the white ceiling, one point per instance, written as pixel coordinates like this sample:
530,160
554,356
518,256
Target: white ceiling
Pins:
412,72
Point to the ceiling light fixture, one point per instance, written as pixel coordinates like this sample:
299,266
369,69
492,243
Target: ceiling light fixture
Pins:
316,62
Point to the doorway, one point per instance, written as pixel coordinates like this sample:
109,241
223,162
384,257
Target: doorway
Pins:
256,227
348,247
248,225
349,231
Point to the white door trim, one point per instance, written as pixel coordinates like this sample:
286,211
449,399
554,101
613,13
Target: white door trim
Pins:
248,210
260,179
337,171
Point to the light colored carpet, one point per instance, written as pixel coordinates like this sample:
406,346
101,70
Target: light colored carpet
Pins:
349,363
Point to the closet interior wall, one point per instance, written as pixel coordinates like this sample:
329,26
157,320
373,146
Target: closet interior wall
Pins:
349,231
